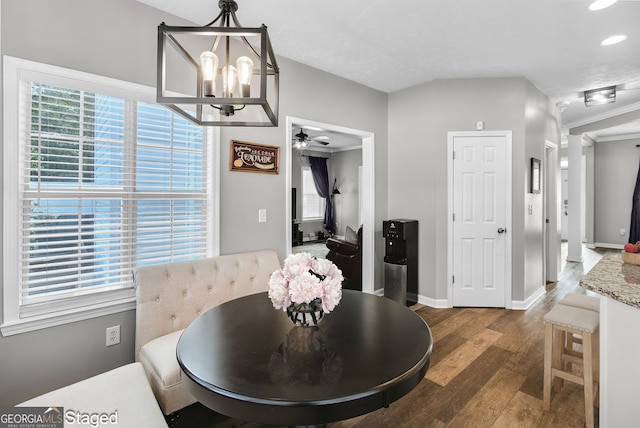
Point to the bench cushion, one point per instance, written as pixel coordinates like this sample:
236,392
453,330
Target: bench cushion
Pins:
573,318
124,389
158,358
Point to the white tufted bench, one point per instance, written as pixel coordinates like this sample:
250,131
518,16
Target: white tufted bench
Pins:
172,295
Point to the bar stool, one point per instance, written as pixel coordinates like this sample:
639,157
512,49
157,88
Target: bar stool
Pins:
579,301
559,355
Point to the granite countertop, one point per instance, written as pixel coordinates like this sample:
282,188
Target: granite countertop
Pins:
613,278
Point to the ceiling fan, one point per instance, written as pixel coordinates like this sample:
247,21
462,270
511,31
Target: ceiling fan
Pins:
302,140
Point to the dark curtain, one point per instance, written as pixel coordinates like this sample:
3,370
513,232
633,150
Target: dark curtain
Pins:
321,180
634,230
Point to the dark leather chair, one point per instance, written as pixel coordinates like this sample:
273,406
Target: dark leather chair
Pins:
347,257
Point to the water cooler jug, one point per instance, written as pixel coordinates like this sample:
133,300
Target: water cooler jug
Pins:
401,260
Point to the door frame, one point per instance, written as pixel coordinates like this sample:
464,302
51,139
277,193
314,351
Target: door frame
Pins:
508,202
552,191
367,191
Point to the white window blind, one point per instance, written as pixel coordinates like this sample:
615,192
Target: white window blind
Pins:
105,184
312,203
109,184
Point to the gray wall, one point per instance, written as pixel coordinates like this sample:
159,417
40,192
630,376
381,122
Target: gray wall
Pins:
335,101
419,120
345,169
616,167
542,123
117,38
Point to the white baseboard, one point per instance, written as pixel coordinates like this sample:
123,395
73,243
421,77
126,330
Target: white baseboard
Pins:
427,301
444,303
612,246
523,305
434,303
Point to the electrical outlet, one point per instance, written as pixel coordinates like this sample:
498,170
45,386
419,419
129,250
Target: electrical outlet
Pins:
623,232
262,215
113,335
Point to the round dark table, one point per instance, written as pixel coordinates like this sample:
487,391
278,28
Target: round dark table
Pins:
246,360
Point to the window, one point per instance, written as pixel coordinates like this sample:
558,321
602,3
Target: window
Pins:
312,203
101,181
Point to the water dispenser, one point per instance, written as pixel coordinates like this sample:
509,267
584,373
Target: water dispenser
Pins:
401,260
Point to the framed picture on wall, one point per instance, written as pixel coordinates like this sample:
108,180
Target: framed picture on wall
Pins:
251,157
535,175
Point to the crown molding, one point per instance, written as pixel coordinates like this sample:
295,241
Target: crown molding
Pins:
602,116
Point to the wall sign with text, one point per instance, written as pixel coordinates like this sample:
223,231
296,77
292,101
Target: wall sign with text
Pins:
251,157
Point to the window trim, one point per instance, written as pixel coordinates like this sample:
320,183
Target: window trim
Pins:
15,71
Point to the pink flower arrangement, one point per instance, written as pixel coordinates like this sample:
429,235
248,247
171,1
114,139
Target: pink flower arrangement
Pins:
306,279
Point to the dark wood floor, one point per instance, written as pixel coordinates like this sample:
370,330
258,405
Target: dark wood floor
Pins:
486,371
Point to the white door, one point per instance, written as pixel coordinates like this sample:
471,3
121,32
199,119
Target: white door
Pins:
479,220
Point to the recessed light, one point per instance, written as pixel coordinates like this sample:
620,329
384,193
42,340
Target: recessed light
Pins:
601,4
613,40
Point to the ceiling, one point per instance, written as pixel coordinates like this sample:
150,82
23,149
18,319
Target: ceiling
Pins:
392,45
326,140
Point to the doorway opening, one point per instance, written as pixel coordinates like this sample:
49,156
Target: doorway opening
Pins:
366,202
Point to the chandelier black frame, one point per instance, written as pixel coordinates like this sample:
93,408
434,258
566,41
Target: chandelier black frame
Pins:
235,45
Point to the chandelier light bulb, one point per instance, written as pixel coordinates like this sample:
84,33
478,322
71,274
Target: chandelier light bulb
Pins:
229,80
245,71
209,68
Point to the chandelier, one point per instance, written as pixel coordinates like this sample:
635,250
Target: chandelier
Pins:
224,75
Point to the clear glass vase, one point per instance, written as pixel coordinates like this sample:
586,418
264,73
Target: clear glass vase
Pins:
306,314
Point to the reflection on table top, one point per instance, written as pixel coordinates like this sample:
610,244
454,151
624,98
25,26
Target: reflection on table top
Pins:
245,359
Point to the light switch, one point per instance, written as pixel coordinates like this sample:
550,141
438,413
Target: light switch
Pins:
262,215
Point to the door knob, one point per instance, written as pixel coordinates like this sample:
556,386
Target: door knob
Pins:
501,230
